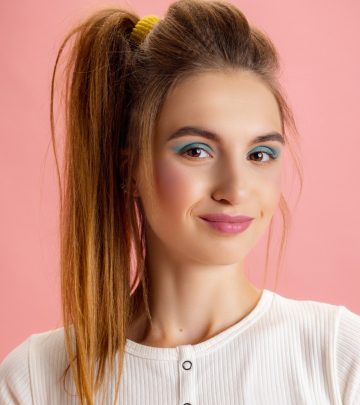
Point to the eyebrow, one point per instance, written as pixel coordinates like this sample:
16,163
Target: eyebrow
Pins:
271,136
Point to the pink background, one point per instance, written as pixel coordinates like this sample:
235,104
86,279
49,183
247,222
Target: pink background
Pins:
319,47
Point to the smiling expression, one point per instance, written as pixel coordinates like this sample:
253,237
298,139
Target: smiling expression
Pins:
218,148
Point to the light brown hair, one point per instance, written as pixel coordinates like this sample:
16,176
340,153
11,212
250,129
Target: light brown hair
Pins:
114,91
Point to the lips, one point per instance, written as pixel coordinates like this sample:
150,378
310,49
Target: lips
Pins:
228,225
226,218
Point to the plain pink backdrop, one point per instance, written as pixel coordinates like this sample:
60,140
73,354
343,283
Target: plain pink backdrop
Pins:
318,42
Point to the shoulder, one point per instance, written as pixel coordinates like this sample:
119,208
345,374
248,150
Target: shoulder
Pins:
337,320
307,325
331,331
337,317
15,386
306,313
333,322
347,355
348,328
31,367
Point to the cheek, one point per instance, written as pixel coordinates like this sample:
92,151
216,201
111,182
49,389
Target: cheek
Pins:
177,189
271,191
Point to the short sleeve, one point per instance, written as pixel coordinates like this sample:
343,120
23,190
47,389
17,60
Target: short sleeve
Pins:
347,356
15,386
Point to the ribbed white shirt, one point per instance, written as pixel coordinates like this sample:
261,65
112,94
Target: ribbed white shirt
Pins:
286,351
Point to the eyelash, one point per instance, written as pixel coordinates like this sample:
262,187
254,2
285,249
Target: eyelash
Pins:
272,155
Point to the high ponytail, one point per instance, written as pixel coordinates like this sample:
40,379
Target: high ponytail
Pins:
95,239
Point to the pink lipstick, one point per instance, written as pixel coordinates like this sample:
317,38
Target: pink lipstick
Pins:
226,223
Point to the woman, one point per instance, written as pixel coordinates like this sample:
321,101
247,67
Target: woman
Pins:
176,134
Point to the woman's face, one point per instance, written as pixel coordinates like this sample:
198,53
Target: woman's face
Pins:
195,175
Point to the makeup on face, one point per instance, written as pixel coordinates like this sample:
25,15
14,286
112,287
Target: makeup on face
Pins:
228,227
218,156
187,130
182,148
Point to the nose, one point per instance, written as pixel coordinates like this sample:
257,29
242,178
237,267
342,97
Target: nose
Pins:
231,184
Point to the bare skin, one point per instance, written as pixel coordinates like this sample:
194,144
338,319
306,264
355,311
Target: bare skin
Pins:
200,287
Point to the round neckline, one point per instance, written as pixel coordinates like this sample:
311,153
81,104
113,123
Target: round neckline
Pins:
172,353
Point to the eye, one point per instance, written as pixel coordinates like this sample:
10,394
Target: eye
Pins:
194,149
261,151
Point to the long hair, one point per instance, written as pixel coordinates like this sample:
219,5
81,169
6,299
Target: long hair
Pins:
114,91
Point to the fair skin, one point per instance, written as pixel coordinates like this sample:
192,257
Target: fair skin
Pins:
199,287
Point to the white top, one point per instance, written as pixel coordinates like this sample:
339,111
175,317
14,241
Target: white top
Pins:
284,352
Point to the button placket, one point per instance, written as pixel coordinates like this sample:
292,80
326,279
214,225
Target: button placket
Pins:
187,375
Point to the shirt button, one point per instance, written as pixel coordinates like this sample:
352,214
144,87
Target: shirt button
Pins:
187,366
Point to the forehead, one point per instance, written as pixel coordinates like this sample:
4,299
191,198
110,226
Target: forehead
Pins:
231,102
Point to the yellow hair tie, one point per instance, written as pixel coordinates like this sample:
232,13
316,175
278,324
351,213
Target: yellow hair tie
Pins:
143,27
